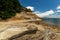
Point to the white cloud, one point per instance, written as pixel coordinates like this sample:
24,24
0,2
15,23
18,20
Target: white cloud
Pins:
37,12
47,13
30,7
58,7
58,11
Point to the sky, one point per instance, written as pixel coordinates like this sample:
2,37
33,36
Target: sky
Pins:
43,8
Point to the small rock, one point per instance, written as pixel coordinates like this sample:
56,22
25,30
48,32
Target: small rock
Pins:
32,27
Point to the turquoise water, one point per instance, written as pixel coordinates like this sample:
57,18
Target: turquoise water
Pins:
52,21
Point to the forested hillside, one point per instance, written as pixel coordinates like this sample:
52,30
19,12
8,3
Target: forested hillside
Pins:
9,8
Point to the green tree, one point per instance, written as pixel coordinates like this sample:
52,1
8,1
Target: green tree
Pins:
27,10
9,8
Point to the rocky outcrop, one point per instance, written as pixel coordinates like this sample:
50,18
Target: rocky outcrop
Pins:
28,29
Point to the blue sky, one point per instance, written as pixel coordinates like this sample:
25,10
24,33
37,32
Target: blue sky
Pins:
43,7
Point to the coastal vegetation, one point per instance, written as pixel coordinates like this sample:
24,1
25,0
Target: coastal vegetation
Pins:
9,8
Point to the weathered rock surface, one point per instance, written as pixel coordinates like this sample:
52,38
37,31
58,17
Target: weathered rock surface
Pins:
30,27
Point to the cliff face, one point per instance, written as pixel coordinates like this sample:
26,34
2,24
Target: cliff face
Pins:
25,16
27,26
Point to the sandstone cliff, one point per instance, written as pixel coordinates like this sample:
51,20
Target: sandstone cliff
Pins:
27,26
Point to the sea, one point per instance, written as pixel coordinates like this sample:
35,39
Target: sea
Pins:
52,21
